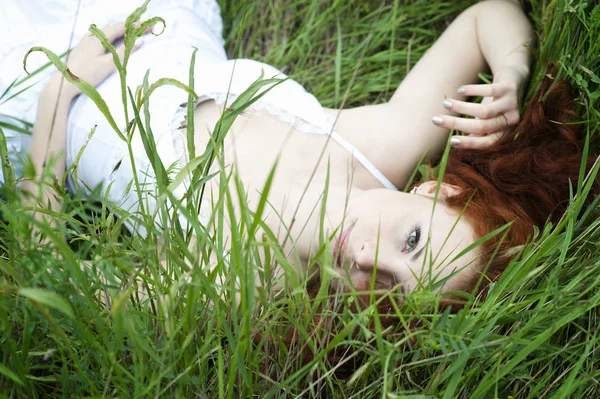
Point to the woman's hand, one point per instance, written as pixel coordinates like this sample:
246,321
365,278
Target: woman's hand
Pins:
89,61
494,116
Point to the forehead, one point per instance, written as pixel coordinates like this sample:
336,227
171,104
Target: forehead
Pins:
448,235
450,238
448,232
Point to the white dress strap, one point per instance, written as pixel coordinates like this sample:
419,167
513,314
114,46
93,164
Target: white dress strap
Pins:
289,101
364,161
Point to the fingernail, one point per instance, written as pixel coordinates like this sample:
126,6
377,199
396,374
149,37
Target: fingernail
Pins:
438,120
461,90
454,141
447,104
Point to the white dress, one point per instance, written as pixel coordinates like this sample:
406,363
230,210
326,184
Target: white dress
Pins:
50,23
189,24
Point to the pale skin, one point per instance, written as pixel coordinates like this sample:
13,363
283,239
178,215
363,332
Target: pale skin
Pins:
48,139
373,228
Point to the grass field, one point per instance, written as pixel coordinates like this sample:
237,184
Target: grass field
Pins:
73,331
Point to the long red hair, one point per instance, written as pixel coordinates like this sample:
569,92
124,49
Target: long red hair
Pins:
524,179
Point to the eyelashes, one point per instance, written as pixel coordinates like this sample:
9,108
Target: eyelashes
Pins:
412,240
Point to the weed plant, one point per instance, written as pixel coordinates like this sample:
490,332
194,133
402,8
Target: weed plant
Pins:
94,311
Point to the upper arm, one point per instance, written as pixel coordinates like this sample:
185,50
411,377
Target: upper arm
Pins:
395,135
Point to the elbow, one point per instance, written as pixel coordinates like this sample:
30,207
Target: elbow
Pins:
495,6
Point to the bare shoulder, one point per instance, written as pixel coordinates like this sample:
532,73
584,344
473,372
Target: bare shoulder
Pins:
391,137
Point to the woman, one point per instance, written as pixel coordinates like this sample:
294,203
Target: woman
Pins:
349,162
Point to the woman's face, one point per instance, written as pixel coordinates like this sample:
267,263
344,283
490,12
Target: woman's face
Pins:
407,242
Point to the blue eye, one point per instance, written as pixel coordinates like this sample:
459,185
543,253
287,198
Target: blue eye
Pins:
413,240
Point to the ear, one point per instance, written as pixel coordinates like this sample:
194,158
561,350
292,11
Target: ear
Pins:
428,188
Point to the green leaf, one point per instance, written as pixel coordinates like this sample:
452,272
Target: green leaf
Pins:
10,374
7,170
167,82
133,29
187,171
190,110
262,203
13,95
86,88
8,89
150,146
23,121
14,128
49,299
241,103
106,44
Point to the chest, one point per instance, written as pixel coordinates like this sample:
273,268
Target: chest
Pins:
258,142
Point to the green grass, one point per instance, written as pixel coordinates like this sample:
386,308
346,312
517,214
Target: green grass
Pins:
73,322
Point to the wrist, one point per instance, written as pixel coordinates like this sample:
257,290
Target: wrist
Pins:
518,74
516,63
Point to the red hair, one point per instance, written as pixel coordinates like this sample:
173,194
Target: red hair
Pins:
524,179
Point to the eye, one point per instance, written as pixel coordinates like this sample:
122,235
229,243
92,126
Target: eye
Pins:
412,240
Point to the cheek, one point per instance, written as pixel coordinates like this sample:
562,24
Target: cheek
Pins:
387,234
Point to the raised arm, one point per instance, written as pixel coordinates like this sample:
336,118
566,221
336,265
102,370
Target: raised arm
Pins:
395,135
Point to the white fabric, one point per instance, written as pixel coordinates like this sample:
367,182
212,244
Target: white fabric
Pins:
167,55
289,101
190,23
49,23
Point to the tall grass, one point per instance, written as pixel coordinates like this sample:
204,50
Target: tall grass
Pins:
99,312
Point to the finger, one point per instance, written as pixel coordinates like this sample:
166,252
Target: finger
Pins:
487,90
487,100
114,31
120,50
478,127
482,111
474,142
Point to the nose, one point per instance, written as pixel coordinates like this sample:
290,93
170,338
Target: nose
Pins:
368,258
367,255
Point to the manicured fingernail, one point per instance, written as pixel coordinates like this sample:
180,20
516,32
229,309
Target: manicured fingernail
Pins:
447,104
438,120
454,141
461,90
